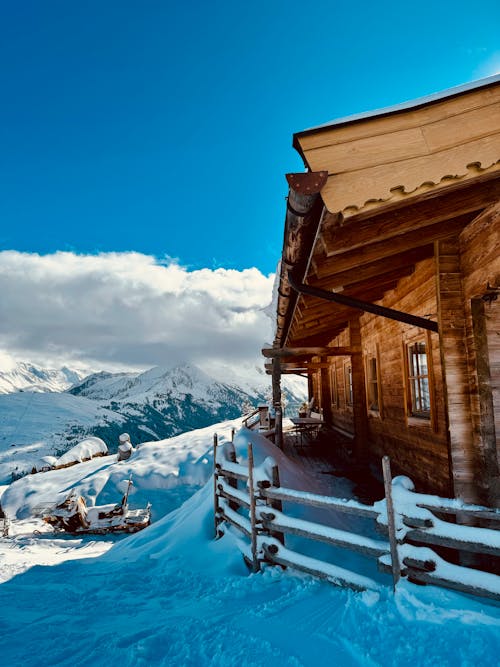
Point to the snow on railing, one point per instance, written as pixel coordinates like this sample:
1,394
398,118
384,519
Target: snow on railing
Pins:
250,499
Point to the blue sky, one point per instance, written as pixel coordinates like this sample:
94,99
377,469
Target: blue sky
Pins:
165,127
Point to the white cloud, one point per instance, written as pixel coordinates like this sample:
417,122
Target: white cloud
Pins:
128,310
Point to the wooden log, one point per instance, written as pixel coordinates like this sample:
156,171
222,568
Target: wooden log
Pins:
316,500
366,547
306,352
216,495
231,475
426,537
391,522
276,504
253,519
420,577
234,522
316,568
235,499
479,513
276,384
417,522
426,565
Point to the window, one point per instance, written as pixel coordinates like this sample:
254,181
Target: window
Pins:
348,384
372,389
418,380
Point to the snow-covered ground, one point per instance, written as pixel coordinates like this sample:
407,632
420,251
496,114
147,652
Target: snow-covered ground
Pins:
171,595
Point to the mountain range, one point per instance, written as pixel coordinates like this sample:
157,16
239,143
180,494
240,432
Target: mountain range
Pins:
26,376
37,419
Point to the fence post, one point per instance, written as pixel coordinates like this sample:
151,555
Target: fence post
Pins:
253,520
391,523
232,434
216,495
277,504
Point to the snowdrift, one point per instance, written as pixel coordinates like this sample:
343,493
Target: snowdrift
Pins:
83,451
173,596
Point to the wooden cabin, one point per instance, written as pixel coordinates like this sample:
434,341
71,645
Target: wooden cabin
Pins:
388,286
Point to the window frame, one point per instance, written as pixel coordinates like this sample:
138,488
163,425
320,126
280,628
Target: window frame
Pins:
348,386
334,395
373,380
415,417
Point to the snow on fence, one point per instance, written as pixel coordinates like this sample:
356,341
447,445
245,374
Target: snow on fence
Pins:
250,500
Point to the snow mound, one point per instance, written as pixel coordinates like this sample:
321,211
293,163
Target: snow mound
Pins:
83,451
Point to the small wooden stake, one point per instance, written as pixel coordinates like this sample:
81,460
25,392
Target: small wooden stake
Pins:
277,504
216,495
391,523
253,521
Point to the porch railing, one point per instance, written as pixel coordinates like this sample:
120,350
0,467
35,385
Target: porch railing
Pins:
250,500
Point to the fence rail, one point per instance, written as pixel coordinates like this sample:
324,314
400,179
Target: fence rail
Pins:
250,500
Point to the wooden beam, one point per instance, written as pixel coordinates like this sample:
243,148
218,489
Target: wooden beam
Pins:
364,306
299,366
452,340
379,250
362,229
370,271
270,353
360,418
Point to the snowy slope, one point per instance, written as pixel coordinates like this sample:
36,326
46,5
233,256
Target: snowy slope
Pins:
172,596
29,377
152,405
162,402
38,424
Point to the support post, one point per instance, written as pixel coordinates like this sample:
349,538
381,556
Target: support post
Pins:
277,504
216,495
391,522
277,403
253,518
359,415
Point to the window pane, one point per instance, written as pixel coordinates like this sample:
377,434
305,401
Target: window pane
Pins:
419,380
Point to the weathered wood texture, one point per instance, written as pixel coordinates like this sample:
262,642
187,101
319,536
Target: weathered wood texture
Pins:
415,447
480,265
451,315
401,155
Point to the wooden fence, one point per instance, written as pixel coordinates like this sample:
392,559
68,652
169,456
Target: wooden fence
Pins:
250,500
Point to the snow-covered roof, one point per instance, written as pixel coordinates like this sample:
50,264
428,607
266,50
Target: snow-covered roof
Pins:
404,106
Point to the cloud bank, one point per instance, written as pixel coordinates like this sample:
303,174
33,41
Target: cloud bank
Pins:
128,310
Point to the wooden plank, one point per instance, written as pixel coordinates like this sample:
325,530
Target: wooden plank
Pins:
391,521
386,125
335,575
316,500
305,352
351,191
426,537
253,520
344,539
216,497
380,250
236,499
451,317
418,216
420,577
477,513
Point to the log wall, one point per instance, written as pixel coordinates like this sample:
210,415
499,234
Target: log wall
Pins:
417,447
480,266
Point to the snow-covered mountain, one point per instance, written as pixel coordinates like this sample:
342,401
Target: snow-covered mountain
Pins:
163,402
153,405
29,377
